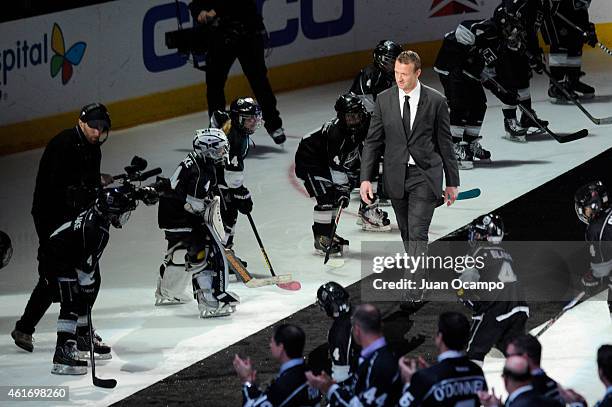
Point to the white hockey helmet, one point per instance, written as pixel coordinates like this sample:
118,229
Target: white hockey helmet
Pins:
211,143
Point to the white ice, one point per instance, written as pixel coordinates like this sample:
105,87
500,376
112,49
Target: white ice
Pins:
150,343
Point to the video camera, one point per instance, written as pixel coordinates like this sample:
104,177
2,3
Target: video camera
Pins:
149,194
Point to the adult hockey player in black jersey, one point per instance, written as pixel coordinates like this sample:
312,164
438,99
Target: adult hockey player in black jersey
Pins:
190,216
289,388
377,76
566,42
343,352
454,380
242,120
328,161
515,66
376,382
69,261
592,206
6,249
498,315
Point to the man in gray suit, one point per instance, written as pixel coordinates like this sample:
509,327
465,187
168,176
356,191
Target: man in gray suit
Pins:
411,123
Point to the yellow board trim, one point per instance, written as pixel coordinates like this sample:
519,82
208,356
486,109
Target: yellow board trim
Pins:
191,99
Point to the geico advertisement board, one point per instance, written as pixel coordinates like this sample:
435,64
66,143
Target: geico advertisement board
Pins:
116,51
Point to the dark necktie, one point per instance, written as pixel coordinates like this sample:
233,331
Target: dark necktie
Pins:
406,115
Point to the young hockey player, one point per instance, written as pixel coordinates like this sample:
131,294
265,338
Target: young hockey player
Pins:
378,75
328,161
190,216
593,208
498,315
566,42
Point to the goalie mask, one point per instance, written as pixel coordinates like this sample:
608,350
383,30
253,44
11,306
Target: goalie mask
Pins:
211,144
385,54
352,116
116,204
488,228
590,200
246,115
334,299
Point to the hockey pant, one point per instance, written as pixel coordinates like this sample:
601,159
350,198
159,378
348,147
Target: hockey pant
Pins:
492,329
468,104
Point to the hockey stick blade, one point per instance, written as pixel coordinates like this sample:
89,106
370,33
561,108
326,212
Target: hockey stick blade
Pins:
290,286
469,194
560,139
572,136
104,383
261,282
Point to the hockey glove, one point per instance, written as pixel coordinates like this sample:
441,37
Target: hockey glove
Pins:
341,196
148,195
536,62
241,197
592,285
590,36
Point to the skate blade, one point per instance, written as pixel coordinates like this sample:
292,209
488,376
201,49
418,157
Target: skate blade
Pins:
170,301
561,102
466,166
321,253
335,263
261,282
68,370
224,311
369,228
84,356
520,139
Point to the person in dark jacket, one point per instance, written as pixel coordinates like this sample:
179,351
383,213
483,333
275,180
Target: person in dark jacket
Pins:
67,182
289,388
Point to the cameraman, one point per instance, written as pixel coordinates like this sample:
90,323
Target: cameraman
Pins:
67,183
237,31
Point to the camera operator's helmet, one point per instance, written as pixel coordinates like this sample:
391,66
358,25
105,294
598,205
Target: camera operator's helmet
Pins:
590,200
6,249
488,228
246,115
116,204
211,144
385,54
511,26
334,299
353,116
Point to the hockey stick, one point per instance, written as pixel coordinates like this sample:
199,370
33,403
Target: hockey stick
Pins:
291,285
573,303
580,30
598,121
561,139
105,383
469,194
334,227
252,282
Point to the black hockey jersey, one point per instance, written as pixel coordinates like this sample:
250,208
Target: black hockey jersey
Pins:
369,82
599,237
76,245
329,149
343,351
231,174
454,381
375,383
498,266
473,45
192,182
289,389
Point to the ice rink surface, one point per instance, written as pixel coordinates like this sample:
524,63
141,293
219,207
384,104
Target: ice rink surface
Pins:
150,343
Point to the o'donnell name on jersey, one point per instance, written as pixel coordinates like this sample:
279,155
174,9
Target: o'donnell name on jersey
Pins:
455,284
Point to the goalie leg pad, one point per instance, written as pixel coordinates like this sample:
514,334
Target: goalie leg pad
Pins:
173,279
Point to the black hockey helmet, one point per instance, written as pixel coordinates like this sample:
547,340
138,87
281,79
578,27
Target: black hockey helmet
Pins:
385,54
6,249
245,114
510,23
116,204
590,200
352,115
489,227
334,299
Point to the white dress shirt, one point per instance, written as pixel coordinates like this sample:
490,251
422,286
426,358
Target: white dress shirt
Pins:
415,95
